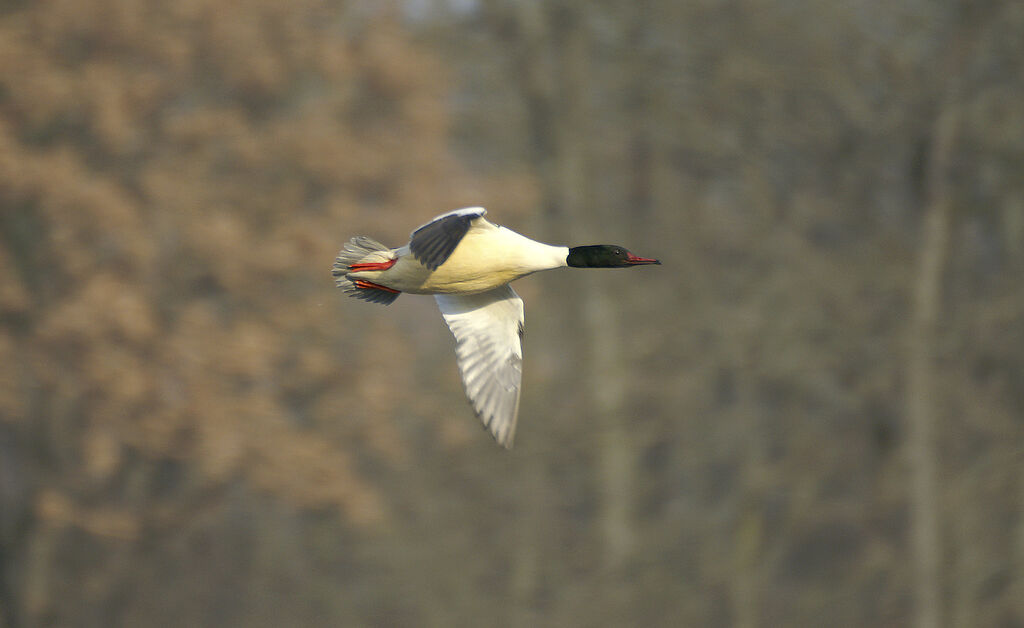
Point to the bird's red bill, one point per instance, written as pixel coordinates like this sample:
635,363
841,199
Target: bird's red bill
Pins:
633,259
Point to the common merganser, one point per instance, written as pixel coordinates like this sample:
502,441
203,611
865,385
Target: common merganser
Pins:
467,263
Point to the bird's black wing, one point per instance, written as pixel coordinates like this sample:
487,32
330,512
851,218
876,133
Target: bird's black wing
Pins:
432,243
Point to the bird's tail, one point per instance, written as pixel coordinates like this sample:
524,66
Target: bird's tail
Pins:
362,250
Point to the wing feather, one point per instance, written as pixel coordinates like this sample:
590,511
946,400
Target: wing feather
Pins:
489,351
434,242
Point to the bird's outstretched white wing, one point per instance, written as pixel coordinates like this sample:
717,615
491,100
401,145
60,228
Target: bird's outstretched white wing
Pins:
488,329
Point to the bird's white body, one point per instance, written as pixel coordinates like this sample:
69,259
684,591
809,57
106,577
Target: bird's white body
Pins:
488,256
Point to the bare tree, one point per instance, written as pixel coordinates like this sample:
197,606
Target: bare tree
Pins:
920,395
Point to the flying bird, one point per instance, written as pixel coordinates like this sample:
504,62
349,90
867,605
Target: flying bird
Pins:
467,263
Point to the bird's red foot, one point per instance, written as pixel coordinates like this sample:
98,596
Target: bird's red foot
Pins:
369,285
355,268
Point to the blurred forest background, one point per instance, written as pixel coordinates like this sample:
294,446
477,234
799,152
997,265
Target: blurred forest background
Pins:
812,414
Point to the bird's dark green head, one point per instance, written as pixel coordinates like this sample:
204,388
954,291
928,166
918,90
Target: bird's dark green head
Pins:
604,256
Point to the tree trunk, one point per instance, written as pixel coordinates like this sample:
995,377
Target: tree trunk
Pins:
920,394
600,335
607,394
556,38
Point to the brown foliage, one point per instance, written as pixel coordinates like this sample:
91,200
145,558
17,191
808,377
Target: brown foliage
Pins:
176,178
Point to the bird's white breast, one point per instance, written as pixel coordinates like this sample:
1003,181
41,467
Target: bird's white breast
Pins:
487,257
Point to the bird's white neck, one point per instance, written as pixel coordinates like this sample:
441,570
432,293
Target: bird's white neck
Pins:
530,255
